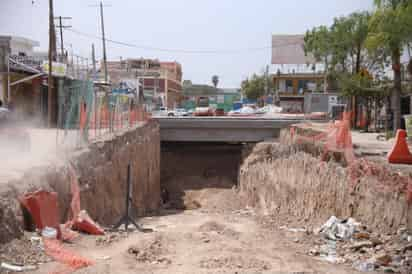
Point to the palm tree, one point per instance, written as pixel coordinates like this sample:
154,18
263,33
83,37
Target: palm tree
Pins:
391,29
215,80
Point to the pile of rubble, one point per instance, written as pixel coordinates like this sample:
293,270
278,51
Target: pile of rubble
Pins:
150,252
24,253
349,242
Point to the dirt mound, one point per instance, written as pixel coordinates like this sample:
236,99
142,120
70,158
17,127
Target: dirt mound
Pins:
235,262
212,226
221,229
150,251
111,238
286,182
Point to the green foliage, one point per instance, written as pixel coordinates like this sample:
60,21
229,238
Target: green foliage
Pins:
318,43
254,87
391,25
342,46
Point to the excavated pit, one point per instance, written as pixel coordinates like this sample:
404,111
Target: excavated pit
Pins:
195,175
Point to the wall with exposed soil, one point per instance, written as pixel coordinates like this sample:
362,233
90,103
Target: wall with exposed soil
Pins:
101,170
290,182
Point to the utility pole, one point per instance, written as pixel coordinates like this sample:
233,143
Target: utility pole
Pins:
94,59
50,77
104,43
61,27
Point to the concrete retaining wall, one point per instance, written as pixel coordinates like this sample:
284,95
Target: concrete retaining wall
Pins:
101,170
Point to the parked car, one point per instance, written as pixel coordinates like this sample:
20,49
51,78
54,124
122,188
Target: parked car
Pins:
181,112
171,112
244,111
204,111
219,112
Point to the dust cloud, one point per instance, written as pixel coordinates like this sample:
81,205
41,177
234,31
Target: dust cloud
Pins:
24,148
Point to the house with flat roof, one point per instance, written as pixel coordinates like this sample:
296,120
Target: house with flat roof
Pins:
293,72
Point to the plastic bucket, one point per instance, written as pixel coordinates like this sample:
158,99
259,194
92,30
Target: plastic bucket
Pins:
408,125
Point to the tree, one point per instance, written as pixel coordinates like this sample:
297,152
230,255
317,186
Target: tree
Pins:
342,47
391,30
254,88
215,80
318,43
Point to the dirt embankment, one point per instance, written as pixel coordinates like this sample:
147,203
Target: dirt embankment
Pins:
101,170
288,182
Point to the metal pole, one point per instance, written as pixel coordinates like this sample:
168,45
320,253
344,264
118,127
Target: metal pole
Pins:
61,39
8,81
104,42
50,77
128,194
94,61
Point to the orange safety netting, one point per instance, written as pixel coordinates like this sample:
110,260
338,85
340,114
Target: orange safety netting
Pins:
72,261
337,138
54,248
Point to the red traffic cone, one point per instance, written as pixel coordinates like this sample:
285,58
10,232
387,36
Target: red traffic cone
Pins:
400,153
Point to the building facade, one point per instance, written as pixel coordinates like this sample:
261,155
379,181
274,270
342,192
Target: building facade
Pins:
161,82
293,72
205,95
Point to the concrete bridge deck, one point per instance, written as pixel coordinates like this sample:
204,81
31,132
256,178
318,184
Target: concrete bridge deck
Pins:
221,129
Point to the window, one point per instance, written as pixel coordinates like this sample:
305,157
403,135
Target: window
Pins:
289,86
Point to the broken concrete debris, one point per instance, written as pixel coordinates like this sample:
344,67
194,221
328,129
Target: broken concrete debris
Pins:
347,241
335,228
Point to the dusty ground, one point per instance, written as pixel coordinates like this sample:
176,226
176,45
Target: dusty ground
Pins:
201,241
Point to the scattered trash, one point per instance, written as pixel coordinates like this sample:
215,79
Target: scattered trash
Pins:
37,242
335,228
382,259
366,266
18,268
49,233
104,258
347,241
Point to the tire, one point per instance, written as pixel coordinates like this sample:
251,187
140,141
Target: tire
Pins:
170,115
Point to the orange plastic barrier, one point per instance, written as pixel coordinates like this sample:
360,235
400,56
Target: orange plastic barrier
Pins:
132,118
84,223
83,117
43,207
400,153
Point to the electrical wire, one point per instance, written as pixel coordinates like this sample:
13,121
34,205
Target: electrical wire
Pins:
222,51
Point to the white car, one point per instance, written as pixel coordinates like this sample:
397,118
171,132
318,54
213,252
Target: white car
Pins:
171,113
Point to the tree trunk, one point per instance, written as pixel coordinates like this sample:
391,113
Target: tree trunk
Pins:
355,99
397,89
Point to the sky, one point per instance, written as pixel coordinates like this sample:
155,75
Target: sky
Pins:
224,31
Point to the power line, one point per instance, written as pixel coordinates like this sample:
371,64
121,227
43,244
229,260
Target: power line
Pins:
223,51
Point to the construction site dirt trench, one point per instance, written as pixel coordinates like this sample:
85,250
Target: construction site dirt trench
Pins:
227,208
203,226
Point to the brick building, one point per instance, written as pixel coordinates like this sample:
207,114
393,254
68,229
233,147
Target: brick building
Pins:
161,82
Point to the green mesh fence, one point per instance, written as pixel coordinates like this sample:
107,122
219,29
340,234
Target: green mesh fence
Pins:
72,94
